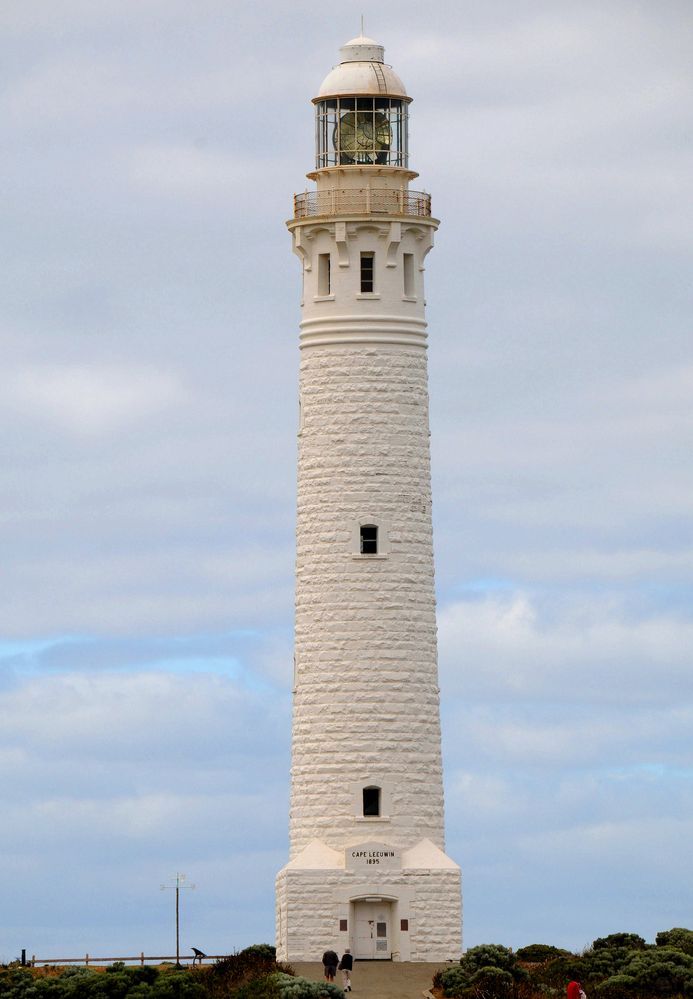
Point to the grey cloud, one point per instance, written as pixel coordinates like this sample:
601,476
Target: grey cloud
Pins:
153,151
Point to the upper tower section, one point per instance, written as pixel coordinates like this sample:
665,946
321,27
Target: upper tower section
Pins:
361,111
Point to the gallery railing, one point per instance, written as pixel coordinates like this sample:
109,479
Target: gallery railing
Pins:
361,201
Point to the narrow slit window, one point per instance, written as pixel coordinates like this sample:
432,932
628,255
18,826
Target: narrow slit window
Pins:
324,274
408,269
367,272
369,539
371,801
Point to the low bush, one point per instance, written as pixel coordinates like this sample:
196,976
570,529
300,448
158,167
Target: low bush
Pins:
490,971
616,987
249,974
629,941
295,987
226,977
489,981
661,971
539,953
678,938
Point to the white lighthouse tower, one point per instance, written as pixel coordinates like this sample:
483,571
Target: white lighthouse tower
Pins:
367,867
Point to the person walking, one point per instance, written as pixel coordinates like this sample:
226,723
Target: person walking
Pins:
329,963
574,991
345,966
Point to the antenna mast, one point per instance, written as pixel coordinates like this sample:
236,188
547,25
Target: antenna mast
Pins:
177,880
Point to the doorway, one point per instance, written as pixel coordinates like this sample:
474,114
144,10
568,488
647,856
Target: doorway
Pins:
372,921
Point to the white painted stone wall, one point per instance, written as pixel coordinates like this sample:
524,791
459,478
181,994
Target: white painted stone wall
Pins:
366,699
366,703
310,905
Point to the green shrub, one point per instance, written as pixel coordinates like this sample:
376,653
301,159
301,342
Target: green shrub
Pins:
556,973
262,950
453,980
616,987
679,938
264,987
489,970
295,987
491,956
491,983
630,941
661,971
175,984
539,953
225,977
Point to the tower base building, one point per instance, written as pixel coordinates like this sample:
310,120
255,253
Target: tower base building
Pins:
367,868
408,911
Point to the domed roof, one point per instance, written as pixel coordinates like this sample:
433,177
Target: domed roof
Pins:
362,71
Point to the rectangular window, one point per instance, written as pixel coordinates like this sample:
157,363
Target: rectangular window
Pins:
324,274
371,801
367,272
369,539
342,925
404,925
408,268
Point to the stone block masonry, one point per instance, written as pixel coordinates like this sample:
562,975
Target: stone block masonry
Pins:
367,866
366,698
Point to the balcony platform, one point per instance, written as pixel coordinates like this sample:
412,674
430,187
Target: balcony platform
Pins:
362,201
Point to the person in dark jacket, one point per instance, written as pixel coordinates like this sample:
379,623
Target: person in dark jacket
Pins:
329,963
345,966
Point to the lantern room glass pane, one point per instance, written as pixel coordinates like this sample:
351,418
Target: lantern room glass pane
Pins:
363,131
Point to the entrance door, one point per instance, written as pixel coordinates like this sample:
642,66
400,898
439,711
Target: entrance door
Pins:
372,920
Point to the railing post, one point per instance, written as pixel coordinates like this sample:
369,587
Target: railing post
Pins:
401,200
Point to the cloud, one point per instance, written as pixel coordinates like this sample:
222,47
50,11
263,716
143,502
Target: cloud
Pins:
88,400
571,650
199,173
130,776
149,334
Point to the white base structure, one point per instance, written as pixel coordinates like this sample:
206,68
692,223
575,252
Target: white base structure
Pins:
408,912
367,868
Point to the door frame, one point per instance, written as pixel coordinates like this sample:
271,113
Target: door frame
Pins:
374,900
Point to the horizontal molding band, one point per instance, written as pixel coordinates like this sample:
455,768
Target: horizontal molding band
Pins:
404,322
317,340
363,329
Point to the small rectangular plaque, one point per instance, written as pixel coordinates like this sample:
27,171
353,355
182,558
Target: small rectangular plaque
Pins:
373,857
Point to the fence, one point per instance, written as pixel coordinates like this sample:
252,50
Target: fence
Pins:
141,959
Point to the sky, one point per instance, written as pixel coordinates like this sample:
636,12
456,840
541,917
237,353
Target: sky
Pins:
149,309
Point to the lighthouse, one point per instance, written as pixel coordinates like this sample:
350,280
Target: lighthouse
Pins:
367,867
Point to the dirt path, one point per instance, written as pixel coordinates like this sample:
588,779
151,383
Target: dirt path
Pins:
380,979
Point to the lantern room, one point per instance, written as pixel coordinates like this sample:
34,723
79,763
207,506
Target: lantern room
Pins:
361,111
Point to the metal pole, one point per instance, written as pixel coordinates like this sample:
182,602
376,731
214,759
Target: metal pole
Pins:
177,926
177,882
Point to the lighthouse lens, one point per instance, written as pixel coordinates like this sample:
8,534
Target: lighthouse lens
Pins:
363,137
361,131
